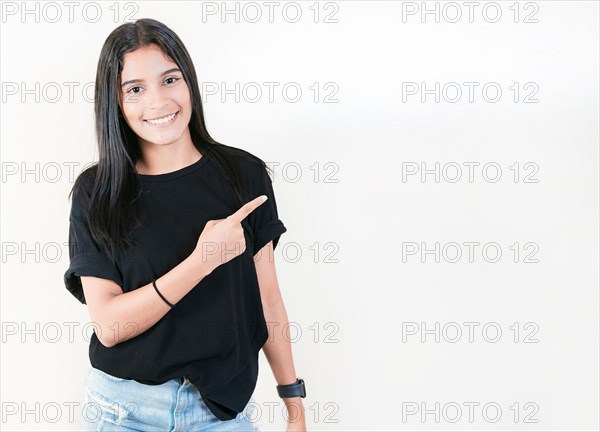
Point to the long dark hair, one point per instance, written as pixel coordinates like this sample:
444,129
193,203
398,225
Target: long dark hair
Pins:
113,213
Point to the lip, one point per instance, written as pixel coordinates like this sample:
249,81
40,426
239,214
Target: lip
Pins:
163,124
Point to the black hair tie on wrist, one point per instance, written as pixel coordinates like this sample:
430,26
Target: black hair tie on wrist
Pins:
161,296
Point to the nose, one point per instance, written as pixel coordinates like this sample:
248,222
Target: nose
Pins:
157,101
157,108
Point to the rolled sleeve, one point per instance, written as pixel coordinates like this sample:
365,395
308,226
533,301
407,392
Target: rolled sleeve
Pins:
85,257
265,221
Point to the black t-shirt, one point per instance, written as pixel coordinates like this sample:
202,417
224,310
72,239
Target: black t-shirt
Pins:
215,332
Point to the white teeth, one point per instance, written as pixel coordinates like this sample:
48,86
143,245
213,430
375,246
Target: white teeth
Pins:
162,120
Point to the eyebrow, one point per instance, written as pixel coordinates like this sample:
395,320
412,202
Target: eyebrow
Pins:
139,80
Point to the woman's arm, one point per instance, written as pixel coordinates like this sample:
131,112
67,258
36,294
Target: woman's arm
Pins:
277,349
111,309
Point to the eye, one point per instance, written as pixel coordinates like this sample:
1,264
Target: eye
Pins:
166,79
129,91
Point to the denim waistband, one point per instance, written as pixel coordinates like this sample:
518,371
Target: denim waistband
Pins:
175,405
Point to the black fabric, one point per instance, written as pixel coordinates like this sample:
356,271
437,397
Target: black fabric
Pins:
215,332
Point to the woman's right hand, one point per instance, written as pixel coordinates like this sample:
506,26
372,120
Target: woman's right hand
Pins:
222,240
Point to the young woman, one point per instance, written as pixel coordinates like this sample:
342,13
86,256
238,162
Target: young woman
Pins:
171,244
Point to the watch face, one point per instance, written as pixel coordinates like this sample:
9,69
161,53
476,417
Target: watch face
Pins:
301,382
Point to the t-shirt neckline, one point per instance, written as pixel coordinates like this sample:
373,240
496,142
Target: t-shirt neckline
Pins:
174,174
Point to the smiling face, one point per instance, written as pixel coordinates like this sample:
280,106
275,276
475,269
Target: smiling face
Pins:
154,98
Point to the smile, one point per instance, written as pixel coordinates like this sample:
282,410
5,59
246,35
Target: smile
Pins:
163,120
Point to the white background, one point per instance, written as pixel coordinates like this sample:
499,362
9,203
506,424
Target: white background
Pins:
360,372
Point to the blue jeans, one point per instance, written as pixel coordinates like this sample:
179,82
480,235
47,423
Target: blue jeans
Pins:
116,404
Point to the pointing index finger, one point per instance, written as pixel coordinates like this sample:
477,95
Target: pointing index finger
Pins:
248,208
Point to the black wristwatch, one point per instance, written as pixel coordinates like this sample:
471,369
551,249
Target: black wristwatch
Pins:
292,390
